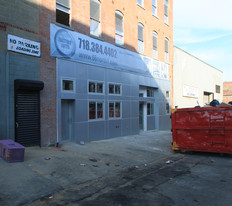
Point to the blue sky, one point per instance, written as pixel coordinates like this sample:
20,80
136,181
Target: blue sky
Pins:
203,28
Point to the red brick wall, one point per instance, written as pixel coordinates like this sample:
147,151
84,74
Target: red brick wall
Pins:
227,92
80,22
133,14
47,74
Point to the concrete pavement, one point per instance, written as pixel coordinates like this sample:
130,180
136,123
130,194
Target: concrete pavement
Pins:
48,170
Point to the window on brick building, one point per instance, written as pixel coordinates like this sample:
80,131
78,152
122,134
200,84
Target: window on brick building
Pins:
166,50
154,7
119,31
166,11
95,18
140,38
155,47
140,2
63,12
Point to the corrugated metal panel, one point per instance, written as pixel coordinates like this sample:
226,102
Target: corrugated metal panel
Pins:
27,117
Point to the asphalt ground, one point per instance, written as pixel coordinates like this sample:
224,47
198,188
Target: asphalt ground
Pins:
131,170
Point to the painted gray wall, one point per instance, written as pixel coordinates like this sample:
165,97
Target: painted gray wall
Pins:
13,66
88,130
3,98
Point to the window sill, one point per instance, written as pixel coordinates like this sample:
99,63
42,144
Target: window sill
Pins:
115,118
141,6
155,16
96,120
121,46
96,37
155,58
64,26
166,24
141,53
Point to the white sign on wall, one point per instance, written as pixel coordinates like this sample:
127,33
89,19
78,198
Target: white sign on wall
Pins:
190,91
23,46
73,45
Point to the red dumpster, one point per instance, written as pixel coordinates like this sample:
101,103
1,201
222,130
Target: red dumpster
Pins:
205,129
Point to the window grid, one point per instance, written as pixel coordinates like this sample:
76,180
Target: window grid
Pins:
63,8
217,88
115,89
140,2
68,85
114,110
166,50
96,87
154,7
155,46
119,30
150,108
166,11
167,108
140,38
96,110
95,18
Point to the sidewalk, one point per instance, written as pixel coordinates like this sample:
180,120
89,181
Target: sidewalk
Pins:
49,169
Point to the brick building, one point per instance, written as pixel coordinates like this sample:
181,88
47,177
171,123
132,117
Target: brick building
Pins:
227,92
84,70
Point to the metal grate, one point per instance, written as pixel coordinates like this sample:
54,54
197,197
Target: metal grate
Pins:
27,117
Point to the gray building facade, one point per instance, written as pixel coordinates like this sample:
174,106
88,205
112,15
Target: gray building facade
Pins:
100,96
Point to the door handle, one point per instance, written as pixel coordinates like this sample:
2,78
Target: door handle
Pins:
17,124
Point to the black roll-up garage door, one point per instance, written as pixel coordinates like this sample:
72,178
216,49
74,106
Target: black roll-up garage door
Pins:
27,112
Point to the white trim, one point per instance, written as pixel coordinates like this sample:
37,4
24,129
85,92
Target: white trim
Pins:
114,101
103,110
154,33
114,94
99,27
156,7
152,114
121,34
68,79
142,5
62,8
96,81
57,103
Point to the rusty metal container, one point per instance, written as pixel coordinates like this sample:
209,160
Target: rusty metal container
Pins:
205,129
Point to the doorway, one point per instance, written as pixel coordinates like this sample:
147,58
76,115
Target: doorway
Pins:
67,119
141,127
27,111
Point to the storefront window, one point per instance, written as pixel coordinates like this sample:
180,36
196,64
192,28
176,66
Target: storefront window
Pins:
115,89
150,92
100,110
117,109
114,109
96,110
91,87
96,87
167,108
67,85
92,110
150,109
99,87
111,110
